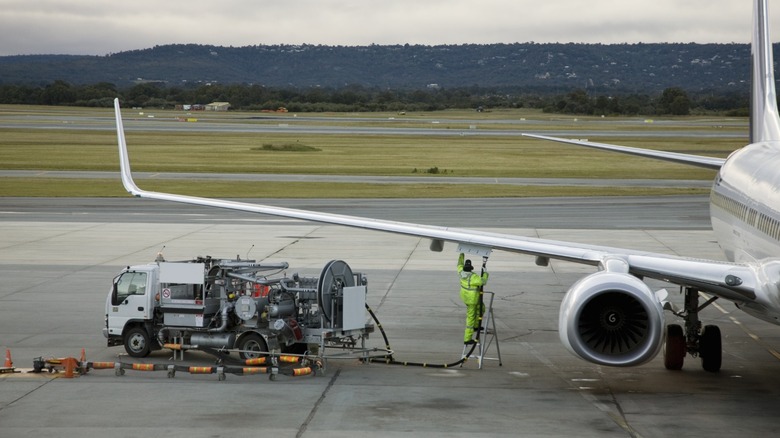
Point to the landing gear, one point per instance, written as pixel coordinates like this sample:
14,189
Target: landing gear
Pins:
696,342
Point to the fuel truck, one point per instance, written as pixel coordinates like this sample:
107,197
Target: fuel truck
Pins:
234,304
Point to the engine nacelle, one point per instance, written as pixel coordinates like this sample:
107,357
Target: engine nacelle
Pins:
613,319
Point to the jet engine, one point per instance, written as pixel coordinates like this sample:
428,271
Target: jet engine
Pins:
612,319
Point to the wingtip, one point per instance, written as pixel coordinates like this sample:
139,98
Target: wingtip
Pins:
124,160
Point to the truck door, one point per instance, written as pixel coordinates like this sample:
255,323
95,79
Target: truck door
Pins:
130,300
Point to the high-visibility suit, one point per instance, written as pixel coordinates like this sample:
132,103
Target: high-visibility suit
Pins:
470,283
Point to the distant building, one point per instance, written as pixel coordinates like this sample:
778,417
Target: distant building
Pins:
194,107
218,106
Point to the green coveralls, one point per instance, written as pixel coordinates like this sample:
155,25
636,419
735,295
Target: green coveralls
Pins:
470,283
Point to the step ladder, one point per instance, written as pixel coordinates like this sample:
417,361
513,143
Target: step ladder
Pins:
487,337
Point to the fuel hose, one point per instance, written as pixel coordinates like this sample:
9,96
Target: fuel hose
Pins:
390,360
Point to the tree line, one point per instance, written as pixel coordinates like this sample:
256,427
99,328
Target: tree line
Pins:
357,98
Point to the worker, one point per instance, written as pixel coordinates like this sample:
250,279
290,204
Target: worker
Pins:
470,288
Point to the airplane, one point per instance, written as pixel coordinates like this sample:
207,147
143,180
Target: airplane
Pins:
611,317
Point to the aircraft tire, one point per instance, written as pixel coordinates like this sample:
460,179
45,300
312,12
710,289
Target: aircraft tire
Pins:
710,348
674,350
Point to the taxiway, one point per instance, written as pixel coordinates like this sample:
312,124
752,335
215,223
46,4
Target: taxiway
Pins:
58,258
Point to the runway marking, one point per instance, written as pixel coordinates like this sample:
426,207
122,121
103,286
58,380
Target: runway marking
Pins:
739,324
722,310
756,338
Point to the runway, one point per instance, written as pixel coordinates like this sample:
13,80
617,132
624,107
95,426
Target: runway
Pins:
59,256
362,179
663,212
419,124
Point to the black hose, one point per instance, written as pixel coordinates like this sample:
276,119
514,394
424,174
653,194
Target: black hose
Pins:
389,360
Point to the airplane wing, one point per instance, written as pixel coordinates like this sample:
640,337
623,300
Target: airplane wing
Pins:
692,160
707,276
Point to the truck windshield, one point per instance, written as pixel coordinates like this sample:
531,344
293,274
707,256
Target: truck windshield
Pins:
130,283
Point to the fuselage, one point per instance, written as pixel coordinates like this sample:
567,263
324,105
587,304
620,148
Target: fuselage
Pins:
745,213
745,203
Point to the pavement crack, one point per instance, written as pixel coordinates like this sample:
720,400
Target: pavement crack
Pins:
392,283
611,409
54,236
619,417
9,404
310,417
295,241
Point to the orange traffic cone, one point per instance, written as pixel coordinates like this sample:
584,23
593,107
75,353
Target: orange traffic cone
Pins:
8,362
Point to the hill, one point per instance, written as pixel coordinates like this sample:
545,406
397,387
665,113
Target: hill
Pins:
618,67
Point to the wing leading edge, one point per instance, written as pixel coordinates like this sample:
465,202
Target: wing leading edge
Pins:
708,276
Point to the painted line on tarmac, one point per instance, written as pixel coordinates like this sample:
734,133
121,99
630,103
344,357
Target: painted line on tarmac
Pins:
747,331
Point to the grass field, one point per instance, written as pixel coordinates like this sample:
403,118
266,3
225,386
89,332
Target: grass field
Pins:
31,139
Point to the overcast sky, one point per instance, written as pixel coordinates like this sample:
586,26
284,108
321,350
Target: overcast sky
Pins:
100,27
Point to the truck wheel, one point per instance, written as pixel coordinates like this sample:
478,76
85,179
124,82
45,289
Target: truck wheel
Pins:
137,342
252,346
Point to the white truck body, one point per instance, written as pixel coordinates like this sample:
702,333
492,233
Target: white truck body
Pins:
227,304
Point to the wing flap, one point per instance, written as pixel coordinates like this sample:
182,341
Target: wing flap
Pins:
732,281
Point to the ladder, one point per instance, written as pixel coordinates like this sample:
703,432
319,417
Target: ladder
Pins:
489,335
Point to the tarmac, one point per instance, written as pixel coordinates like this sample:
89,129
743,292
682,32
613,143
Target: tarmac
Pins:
58,260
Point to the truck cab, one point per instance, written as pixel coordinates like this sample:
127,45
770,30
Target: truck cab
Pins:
130,308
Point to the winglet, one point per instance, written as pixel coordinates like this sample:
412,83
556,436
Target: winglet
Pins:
764,121
124,160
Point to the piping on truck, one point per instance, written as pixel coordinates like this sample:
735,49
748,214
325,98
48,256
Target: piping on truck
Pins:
238,304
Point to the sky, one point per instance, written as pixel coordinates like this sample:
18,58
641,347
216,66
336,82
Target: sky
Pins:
101,27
